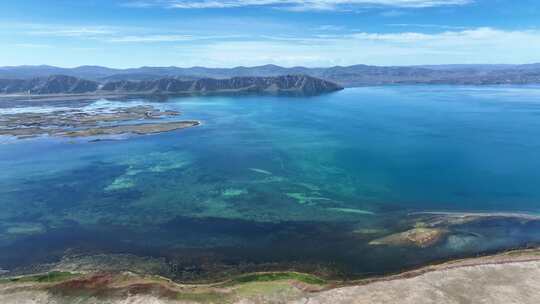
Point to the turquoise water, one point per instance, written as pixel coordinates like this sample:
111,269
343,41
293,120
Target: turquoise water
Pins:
279,182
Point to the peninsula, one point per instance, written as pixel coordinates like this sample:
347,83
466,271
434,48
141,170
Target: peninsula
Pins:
70,85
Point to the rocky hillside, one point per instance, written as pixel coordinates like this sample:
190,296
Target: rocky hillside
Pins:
289,84
348,76
49,85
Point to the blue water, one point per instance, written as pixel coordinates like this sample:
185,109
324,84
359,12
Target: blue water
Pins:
280,180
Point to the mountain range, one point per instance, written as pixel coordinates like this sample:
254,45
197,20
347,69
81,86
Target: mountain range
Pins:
62,84
347,76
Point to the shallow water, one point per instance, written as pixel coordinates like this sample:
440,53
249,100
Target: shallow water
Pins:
281,182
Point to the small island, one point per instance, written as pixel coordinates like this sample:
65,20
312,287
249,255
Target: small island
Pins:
74,122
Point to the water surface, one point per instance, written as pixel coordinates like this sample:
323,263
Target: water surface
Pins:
279,182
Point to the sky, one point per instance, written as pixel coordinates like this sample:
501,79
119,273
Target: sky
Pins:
228,33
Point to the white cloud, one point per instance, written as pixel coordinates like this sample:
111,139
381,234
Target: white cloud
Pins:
480,45
32,46
296,5
152,38
321,46
73,31
330,27
424,25
112,34
168,38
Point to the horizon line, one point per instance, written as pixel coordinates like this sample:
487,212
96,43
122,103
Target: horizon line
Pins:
265,65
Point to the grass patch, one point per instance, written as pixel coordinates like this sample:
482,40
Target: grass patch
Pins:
203,297
51,277
261,289
277,276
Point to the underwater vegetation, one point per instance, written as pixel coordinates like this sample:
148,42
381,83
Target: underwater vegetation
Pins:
350,185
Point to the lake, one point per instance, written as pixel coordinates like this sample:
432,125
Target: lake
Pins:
276,183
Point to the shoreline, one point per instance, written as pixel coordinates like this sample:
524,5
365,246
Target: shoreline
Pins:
232,92
259,287
151,95
501,258
415,233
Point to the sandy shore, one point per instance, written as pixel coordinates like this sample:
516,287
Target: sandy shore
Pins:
513,282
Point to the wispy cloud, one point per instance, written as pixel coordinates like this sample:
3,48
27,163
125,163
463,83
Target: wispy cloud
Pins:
393,13
74,32
400,48
58,30
112,34
152,38
63,30
295,5
427,26
324,45
32,46
169,38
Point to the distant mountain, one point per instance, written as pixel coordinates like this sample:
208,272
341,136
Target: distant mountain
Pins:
361,75
62,84
349,76
142,76
29,72
59,84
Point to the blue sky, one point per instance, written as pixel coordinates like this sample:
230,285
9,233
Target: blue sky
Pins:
132,33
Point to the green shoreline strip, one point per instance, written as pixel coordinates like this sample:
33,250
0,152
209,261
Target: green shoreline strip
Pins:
276,276
51,277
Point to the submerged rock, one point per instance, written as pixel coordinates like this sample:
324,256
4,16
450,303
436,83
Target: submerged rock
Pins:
419,237
460,242
154,163
233,192
25,229
303,198
351,210
120,183
448,219
261,171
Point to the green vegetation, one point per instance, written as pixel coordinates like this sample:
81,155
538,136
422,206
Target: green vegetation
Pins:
252,285
203,297
518,252
51,277
277,276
